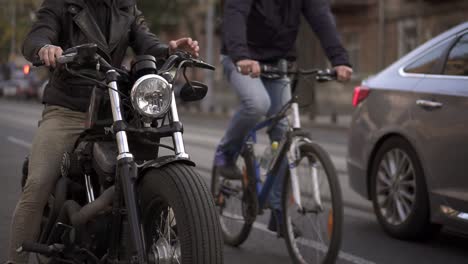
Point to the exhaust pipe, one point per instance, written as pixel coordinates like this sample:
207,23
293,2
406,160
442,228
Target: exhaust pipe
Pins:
78,216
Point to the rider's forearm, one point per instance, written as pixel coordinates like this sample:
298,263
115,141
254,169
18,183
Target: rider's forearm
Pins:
235,28
318,15
44,31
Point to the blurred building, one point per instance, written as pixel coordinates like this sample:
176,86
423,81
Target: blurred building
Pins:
378,32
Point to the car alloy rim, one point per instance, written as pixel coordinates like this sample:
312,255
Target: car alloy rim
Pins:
395,186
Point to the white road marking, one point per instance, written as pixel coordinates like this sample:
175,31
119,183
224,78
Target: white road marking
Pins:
312,244
19,142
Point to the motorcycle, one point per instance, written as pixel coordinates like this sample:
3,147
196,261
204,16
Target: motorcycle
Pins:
118,200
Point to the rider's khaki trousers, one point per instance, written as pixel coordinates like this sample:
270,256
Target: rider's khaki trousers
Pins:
57,133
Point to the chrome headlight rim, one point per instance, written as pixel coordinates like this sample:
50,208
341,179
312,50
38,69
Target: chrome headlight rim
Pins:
134,97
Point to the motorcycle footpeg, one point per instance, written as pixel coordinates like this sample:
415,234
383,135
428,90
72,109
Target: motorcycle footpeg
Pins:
42,249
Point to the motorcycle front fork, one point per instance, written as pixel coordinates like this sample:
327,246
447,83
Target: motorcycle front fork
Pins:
126,176
127,173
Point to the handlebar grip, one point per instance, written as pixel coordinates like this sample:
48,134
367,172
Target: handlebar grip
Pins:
36,248
60,60
326,75
268,69
38,63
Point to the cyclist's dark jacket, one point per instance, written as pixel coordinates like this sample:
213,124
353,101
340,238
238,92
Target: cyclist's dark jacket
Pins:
68,23
266,30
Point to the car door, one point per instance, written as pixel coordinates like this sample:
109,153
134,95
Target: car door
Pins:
440,118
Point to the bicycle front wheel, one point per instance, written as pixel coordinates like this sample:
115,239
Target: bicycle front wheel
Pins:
313,232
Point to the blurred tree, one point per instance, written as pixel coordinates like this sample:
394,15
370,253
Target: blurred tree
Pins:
166,15
15,22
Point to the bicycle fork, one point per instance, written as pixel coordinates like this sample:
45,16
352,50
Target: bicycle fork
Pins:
294,156
293,161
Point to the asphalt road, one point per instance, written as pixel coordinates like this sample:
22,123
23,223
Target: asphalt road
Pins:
364,242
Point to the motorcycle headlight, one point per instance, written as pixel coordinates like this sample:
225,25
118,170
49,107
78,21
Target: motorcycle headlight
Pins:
151,96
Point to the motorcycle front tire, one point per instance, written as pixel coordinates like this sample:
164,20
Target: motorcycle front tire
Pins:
179,187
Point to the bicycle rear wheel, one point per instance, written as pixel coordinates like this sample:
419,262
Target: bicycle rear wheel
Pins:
313,233
235,202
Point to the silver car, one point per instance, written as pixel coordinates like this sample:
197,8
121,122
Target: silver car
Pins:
408,146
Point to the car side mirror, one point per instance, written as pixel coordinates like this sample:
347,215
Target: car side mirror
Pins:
193,91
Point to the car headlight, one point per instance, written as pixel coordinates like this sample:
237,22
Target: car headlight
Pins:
151,96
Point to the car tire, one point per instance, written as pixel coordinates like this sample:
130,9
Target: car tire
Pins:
399,192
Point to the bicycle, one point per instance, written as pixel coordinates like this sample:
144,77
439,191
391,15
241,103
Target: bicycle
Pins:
303,195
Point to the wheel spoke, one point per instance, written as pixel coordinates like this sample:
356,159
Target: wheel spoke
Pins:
406,207
386,168
392,163
382,177
404,162
406,195
408,183
400,210
387,205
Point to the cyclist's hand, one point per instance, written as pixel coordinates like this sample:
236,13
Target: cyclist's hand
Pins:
249,67
343,73
49,54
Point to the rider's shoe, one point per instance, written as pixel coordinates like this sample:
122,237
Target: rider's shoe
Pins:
276,224
226,166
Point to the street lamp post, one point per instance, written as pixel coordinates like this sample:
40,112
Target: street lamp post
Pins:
209,75
13,27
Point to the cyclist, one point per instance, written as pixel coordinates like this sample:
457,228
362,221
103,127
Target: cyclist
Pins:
114,25
265,31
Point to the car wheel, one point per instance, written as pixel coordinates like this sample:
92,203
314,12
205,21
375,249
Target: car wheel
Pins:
399,193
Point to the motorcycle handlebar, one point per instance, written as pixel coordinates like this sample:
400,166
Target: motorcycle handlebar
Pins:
188,59
60,60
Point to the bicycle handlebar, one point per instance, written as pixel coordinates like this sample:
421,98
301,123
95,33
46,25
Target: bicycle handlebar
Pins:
282,70
320,75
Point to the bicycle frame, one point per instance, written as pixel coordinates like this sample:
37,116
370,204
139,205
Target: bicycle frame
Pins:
288,146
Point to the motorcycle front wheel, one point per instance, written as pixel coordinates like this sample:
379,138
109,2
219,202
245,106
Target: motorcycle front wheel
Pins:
179,219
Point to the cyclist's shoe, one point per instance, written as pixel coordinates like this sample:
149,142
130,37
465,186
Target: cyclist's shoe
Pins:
276,224
226,166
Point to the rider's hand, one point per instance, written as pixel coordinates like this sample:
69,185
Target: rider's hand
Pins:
247,67
49,54
185,44
343,73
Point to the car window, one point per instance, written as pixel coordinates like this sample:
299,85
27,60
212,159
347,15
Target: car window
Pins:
426,63
457,61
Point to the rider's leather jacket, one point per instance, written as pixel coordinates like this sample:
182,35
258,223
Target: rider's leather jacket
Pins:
266,30
68,23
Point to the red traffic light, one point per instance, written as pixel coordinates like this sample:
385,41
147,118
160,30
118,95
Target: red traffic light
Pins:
26,69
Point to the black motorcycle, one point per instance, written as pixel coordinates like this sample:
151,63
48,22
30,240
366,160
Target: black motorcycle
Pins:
118,200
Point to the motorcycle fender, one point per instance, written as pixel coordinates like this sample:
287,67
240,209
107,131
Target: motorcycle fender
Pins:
163,161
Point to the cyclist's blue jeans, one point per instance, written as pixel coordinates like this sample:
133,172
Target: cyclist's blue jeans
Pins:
259,98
